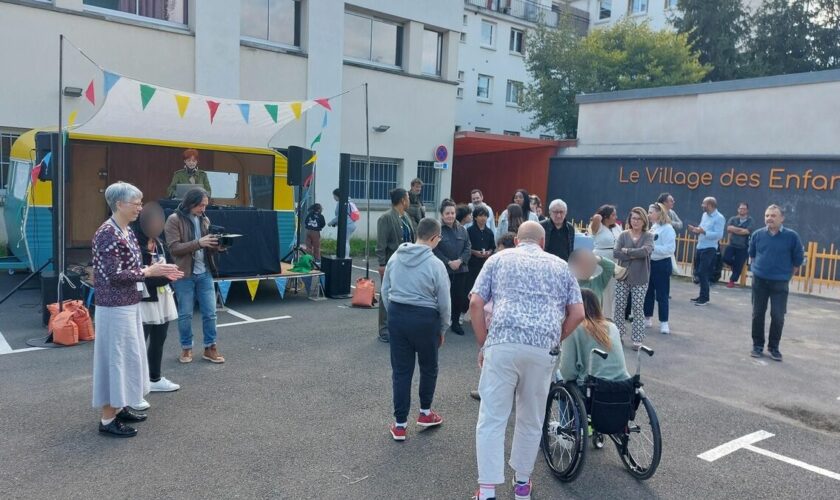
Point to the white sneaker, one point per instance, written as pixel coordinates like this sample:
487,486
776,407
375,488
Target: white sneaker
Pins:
466,318
142,405
461,319
664,328
648,322
164,385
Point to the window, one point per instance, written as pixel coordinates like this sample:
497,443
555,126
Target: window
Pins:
459,93
22,171
671,4
638,6
262,191
466,19
463,38
546,137
460,76
484,88
483,130
457,128
225,185
488,34
511,133
6,141
383,178
430,176
517,41
432,52
514,92
163,10
271,20
605,9
373,40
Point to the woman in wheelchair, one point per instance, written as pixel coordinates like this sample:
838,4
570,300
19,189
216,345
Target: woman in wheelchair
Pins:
594,332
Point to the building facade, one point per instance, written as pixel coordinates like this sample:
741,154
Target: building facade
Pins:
491,63
277,50
656,12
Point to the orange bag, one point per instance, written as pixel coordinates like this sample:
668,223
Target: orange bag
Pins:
81,317
364,295
69,305
64,331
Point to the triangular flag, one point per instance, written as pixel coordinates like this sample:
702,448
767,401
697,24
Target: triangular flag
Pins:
245,109
214,106
272,110
183,101
110,80
296,109
252,287
308,180
324,121
146,93
224,288
89,93
315,141
311,160
281,286
72,118
324,102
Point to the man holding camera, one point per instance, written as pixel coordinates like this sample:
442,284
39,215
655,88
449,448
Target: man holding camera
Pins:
194,249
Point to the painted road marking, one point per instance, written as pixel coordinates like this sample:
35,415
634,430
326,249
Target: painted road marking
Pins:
248,322
747,442
239,314
5,348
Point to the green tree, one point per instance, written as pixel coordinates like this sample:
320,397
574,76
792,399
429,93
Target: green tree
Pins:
783,39
718,30
625,56
826,16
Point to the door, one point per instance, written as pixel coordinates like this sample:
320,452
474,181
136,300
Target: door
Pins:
88,178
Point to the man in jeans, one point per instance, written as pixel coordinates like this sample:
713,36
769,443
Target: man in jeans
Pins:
709,232
775,256
739,228
415,289
194,250
393,228
536,303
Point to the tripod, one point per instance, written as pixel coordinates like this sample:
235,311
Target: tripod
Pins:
296,251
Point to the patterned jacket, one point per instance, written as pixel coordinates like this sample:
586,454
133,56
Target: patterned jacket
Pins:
116,266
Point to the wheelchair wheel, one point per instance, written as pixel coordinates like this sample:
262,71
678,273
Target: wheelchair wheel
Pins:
641,446
564,431
597,440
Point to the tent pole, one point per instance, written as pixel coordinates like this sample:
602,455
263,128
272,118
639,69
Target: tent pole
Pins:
367,182
59,175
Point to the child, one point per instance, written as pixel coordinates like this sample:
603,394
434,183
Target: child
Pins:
314,223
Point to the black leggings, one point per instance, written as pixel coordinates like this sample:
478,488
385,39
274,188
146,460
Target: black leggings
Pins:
155,337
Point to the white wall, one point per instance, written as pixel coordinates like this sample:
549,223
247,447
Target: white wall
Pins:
657,14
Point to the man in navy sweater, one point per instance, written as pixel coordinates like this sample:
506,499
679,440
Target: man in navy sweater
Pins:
776,253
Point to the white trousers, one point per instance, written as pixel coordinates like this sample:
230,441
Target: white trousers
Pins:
511,372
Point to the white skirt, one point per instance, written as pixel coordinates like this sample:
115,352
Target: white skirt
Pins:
120,366
162,311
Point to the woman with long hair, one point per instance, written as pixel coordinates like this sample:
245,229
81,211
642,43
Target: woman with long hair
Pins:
594,332
522,198
513,218
659,286
632,251
605,229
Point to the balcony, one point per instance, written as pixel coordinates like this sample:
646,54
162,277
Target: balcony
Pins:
532,11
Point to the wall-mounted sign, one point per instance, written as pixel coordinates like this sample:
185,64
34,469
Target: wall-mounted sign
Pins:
441,165
441,153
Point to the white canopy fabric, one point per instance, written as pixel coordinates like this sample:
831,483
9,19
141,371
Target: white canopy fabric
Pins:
137,110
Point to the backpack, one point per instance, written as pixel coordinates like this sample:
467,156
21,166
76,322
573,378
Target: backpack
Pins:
355,215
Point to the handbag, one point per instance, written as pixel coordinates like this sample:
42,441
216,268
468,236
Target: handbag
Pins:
364,295
620,273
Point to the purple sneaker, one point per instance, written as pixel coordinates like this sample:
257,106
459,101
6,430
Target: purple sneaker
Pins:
522,491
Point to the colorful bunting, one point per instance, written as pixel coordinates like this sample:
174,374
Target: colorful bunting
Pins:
324,121
183,101
214,106
245,109
252,287
315,141
296,109
89,93
272,110
325,103
281,286
71,120
312,159
110,80
224,288
146,93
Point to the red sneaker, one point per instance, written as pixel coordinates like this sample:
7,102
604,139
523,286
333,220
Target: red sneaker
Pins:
730,285
430,420
397,432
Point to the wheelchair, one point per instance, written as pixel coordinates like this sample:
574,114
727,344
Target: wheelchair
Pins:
618,410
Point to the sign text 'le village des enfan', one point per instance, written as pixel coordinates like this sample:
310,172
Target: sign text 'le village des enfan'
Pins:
775,178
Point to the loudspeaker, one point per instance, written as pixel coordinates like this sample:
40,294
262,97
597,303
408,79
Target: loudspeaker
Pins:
343,205
337,279
49,291
298,167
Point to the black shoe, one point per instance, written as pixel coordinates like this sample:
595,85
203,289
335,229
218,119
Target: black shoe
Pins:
775,355
700,302
756,352
384,338
457,330
126,415
475,395
117,429
695,299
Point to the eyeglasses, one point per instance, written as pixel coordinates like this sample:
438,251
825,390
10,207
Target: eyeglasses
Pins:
138,204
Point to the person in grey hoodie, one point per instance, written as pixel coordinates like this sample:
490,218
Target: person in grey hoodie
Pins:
415,291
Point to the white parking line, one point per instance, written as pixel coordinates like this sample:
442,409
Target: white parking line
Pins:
239,314
252,321
793,461
5,348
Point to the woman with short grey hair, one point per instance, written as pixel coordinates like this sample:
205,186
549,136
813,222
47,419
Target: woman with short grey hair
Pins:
120,369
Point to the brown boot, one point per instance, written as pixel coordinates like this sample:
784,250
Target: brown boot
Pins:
186,356
212,355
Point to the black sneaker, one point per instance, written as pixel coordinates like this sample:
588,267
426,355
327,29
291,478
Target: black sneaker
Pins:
457,330
117,429
775,355
695,299
700,302
756,352
127,415
384,338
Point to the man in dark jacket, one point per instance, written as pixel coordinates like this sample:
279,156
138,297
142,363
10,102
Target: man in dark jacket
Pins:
559,233
393,228
416,210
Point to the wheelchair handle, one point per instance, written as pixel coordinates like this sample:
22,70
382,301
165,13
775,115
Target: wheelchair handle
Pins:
598,352
647,350
642,349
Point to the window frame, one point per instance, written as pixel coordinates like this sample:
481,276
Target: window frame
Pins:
459,93
668,5
602,9
521,51
398,49
493,34
137,17
430,187
6,157
375,162
511,133
482,130
296,43
512,84
489,97
439,56
631,6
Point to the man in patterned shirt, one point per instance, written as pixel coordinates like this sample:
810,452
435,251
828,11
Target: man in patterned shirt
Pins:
536,303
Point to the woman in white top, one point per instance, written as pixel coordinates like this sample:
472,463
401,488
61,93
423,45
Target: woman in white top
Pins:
604,228
664,245
522,198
